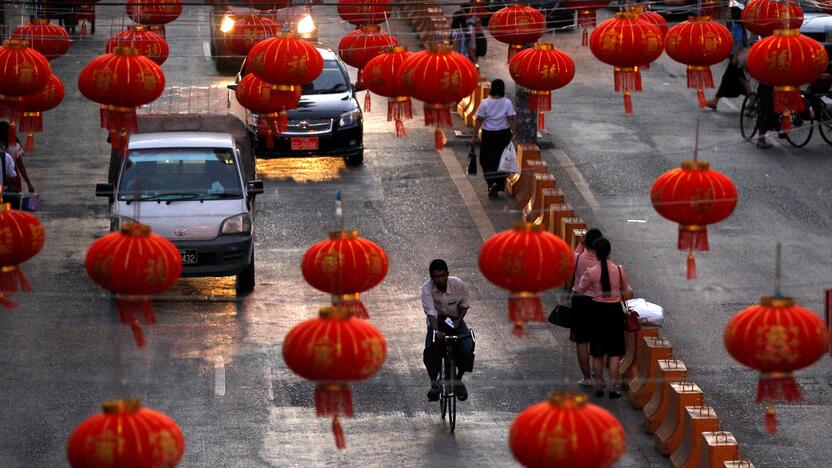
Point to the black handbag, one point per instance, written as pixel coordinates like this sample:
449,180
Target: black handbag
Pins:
472,160
563,315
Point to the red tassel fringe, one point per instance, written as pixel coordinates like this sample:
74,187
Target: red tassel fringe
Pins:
83,29
780,387
585,38
6,302
541,121
628,103
357,307
368,102
30,142
693,239
700,78
12,136
31,122
691,274
398,110
333,400
338,432
771,420
437,115
439,139
400,130
129,310
11,277
540,101
519,331
282,121
787,99
524,308
627,80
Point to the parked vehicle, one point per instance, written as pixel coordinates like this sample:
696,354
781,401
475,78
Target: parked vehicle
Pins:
816,23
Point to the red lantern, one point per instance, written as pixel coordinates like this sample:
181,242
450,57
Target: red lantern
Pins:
776,337
35,104
566,431
266,5
653,18
50,40
154,11
23,71
134,264
693,196
381,76
270,103
345,265
517,25
363,12
249,30
626,43
358,47
22,238
786,61
763,17
542,69
125,434
699,43
120,82
285,60
438,77
333,351
527,261
586,12
146,42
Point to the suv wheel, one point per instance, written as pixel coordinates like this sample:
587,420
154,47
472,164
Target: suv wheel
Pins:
356,159
245,279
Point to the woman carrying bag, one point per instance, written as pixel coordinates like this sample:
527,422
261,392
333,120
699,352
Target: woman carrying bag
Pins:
496,118
585,259
604,283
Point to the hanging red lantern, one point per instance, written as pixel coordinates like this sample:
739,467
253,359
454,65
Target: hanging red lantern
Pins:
359,46
126,434
527,261
249,30
270,102
653,18
517,25
120,82
154,11
565,431
381,76
626,43
23,71
699,43
776,337
334,350
22,238
134,264
285,60
34,105
542,69
693,196
586,13
786,61
362,12
345,265
146,43
438,77
763,17
50,40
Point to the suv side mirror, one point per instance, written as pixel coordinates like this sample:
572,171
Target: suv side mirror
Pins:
104,190
358,88
254,187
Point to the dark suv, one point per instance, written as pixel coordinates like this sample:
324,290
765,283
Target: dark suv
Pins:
327,121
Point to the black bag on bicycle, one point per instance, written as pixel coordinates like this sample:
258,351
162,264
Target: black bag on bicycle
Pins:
472,160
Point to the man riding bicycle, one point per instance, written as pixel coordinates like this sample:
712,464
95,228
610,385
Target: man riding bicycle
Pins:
445,301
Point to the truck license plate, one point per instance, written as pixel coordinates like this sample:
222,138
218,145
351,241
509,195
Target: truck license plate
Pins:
304,144
188,257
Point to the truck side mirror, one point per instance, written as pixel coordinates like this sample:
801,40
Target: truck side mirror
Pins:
104,190
254,187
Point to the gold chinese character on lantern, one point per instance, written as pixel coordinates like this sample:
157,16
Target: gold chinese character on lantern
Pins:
155,271
25,72
103,80
778,61
609,41
450,81
37,232
549,73
322,350
513,262
331,261
298,64
5,241
149,82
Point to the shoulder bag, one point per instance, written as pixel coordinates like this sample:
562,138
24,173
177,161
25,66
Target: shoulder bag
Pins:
563,315
631,319
472,160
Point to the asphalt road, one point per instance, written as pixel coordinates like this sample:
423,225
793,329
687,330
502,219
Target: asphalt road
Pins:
214,363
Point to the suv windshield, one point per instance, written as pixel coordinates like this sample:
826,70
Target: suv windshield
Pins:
331,80
171,174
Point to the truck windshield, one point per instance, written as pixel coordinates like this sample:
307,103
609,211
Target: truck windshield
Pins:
331,80
170,174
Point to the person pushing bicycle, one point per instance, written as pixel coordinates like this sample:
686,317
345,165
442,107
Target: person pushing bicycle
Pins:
445,302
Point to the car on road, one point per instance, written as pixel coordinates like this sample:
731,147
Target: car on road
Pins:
816,24
327,122
191,189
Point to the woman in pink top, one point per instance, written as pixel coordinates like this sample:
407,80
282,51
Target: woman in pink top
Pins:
604,283
579,333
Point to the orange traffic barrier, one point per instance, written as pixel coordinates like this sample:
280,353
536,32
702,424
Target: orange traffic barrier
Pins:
738,464
655,411
538,183
528,159
698,419
533,213
717,448
569,223
470,112
556,213
634,350
551,197
670,434
643,385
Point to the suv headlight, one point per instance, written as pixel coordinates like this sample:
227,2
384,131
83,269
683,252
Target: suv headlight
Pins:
237,224
349,119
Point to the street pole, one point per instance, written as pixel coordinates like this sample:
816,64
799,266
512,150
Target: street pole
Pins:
526,118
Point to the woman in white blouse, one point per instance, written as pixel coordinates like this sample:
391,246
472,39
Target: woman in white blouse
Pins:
496,118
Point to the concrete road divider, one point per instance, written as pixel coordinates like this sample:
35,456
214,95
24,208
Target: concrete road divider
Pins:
551,196
470,113
643,385
576,238
540,182
634,349
670,434
655,411
697,419
556,213
717,448
569,224
528,159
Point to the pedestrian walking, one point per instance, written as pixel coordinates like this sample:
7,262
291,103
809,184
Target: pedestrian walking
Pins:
16,152
604,284
463,36
766,117
585,259
734,81
7,174
497,120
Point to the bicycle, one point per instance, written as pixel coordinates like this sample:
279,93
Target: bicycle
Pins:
447,378
802,123
822,114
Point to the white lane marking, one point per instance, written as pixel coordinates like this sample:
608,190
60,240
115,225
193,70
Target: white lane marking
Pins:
577,178
206,49
269,384
730,104
219,376
469,196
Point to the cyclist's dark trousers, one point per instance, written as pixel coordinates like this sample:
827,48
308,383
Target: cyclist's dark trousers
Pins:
463,355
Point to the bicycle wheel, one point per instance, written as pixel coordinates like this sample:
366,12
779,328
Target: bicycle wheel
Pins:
803,126
452,397
443,395
748,116
825,125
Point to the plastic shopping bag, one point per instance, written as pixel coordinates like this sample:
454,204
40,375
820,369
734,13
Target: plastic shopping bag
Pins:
649,313
508,160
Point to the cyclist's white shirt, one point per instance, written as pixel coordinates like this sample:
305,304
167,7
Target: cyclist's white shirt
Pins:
436,302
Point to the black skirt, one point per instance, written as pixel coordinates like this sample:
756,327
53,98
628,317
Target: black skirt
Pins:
606,335
581,305
732,82
492,145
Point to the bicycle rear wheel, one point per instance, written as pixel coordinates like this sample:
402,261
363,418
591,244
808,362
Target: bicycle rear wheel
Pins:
803,126
749,115
452,398
825,125
443,395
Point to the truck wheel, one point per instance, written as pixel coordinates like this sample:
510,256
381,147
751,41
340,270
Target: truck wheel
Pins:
245,279
356,159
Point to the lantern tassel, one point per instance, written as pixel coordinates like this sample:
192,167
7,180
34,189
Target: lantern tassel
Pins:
6,302
628,103
12,135
333,400
30,142
439,139
524,307
283,121
338,432
693,237
541,123
400,130
83,28
518,330
138,335
585,38
368,102
399,109
353,303
11,277
771,420
129,308
691,274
